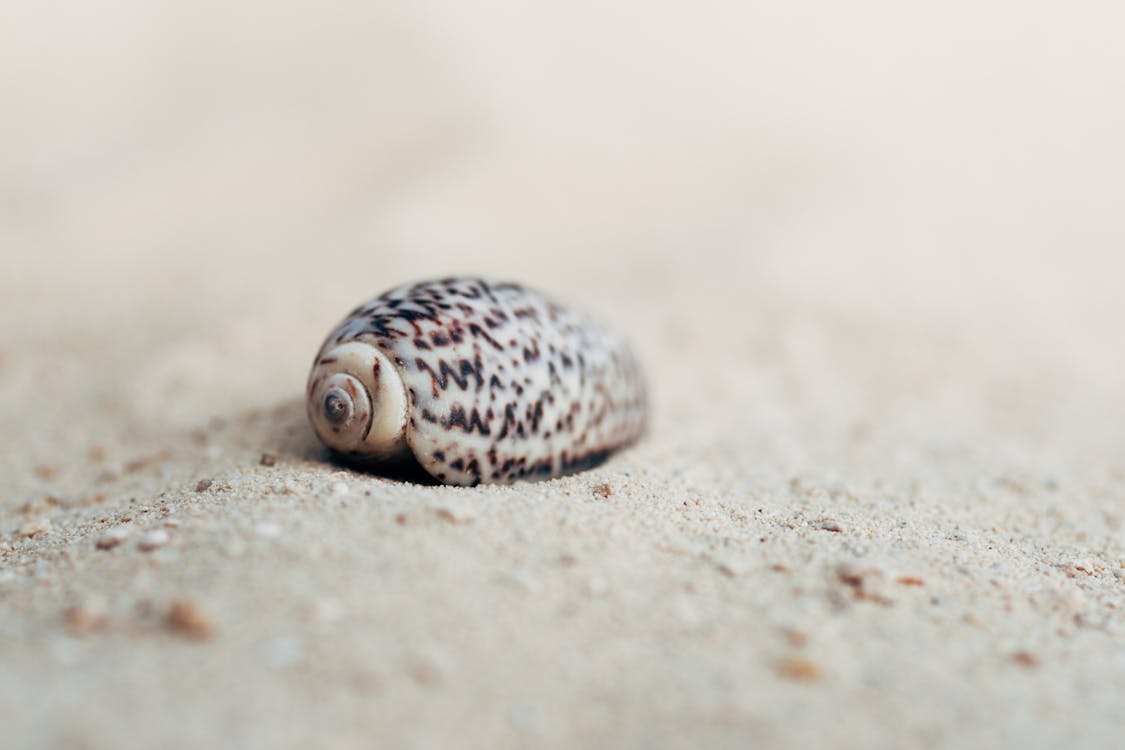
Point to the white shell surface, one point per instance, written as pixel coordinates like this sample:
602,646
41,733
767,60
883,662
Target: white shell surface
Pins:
376,399
500,383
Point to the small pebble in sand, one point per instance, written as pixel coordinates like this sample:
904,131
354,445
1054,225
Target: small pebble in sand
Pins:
798,670
863,579
152,540
366,681
85,616
204,484
831,524
455,514
35,528
856,574
112,538
730,568
185,619
1082,566
795,638
429,667
268,459
1026,659
602,490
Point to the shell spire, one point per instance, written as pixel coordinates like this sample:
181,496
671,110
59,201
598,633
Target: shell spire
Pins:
477,381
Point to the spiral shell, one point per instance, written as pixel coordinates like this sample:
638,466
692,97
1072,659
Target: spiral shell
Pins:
476,381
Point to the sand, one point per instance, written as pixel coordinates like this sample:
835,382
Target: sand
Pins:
871,261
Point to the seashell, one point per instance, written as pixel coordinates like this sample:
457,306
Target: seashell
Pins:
475,380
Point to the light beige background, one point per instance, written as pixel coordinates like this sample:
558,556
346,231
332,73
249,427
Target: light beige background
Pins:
870,252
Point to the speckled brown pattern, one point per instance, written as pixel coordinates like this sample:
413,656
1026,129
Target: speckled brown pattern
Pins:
501,383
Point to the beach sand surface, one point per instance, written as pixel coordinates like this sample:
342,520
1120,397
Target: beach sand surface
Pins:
871,260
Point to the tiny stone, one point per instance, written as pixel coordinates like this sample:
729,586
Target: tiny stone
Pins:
204,484
430,667
85,616
35,528
602,490
855,575
795,638
185,619
154,539
112,538
268,459
366,682
455,514
1084,566
798,670
831,524
730,568
1025,659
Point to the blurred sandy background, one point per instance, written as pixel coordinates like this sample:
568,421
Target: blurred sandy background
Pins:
870,252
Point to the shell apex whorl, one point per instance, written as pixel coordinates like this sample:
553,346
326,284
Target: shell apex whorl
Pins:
357,403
